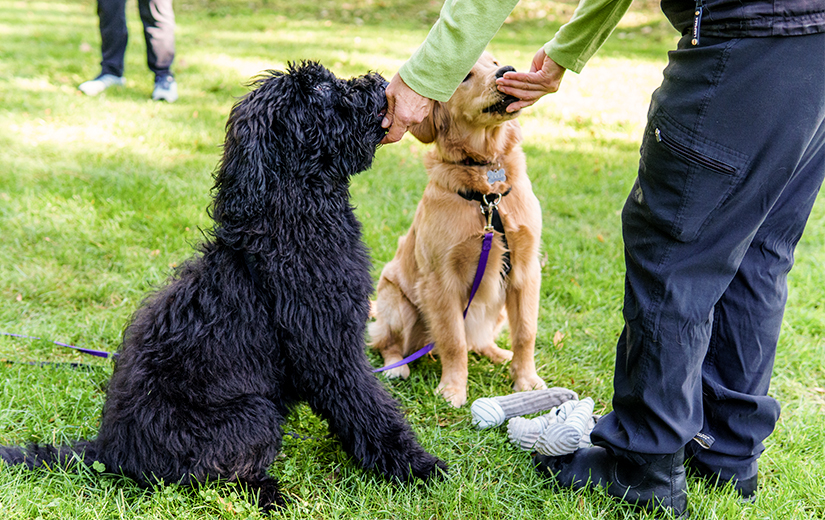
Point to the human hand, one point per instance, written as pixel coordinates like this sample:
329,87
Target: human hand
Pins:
405,108
544,78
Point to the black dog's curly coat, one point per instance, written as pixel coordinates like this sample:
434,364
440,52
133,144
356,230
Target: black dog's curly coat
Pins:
272,312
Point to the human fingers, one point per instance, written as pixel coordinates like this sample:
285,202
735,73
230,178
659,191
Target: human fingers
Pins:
526,98
529,86
518,105
546,81
395,131
527,92
396,128
394,134
538,60
521,81
389,115
405,108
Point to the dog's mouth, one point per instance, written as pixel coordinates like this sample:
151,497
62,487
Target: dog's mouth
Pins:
500,106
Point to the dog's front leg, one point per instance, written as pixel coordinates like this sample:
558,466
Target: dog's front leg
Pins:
522,302
443,312
359,410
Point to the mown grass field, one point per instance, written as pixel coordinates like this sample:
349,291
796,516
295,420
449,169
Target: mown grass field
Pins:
101,197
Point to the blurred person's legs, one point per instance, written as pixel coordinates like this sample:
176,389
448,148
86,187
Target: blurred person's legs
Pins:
114,37
158,19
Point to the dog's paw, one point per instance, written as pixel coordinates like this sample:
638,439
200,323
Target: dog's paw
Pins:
531,382
454,394
428,467
269,498
394,373
411,462
495,354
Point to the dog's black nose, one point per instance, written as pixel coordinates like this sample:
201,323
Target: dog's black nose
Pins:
500,72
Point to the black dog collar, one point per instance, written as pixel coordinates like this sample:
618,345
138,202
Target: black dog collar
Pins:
469,161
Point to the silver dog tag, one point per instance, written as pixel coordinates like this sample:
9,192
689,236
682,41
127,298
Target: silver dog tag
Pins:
496,175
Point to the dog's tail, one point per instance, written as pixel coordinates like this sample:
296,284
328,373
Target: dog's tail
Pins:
46,455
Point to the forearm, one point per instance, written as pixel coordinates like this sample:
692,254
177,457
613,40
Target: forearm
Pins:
455,42
591,24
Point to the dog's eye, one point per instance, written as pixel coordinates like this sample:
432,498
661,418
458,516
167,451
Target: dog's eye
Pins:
469,75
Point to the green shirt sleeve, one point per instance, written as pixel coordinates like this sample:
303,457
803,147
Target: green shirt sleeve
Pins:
591,24
465,27
456,40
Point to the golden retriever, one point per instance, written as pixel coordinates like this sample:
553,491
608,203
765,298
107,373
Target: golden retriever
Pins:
423,291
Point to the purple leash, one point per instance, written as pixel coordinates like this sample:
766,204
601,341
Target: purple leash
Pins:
98,353
482,266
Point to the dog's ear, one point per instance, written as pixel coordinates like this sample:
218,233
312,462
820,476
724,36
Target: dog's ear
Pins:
241,180
436,121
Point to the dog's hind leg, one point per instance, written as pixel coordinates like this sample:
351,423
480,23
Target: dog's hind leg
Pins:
231,440
397,330
481,329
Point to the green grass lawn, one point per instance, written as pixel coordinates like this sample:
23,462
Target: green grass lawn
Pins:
101,197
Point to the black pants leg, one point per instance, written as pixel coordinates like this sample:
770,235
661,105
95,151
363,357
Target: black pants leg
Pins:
736,381
158,19
732,160
113,35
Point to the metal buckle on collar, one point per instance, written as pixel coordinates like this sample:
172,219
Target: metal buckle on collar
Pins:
488,208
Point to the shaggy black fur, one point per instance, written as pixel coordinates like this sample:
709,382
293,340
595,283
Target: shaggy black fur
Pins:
272,312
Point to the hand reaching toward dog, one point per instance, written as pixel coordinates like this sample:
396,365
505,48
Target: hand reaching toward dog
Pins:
405,107
544,78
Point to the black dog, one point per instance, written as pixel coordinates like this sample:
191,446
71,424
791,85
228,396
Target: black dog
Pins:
272,312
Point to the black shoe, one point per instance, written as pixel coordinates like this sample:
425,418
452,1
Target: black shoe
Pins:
746,487
658,486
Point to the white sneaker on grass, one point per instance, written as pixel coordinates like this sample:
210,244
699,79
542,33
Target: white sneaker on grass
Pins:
166,89
99,84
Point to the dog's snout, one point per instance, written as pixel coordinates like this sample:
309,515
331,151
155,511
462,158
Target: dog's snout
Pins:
500,72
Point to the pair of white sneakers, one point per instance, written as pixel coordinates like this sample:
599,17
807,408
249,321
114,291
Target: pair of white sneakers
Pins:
166,88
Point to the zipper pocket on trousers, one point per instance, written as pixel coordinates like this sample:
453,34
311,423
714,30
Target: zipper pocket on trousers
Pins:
692,155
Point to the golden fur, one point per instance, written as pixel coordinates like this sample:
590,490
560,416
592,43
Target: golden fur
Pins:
423,291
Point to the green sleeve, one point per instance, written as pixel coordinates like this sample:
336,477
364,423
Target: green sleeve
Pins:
465,27
579,39
462,32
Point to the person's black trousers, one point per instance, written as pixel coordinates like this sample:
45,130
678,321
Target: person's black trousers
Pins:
158,20
732,160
